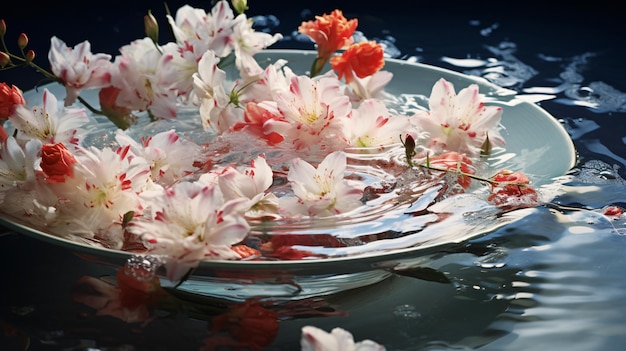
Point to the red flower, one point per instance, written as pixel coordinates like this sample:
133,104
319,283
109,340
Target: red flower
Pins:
457,162
249,323
506,176
362,59
255,119
511,190
57,162
9,97
613,211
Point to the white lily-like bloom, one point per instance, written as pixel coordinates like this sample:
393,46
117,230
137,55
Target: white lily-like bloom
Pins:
210,95
371,124
250,182
17,165
202,31
78,68
370,87
276,78
321,191
144,75
316,110
339,339
18,179
247,42
170,157
49,123
458,122
104,187
190,222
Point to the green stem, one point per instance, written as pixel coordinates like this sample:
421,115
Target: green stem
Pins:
318,66
89,107
469,175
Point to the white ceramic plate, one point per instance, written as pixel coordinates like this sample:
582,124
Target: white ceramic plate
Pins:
535,144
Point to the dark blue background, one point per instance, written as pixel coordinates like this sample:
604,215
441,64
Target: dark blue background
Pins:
565,27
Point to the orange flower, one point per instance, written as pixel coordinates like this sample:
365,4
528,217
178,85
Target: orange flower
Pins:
9,97
331,32
56,162
362,59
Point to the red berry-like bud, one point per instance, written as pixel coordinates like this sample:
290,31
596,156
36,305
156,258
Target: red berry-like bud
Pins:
30,56
3,28
22,41
4,59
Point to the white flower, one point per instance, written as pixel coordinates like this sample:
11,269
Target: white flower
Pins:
321,191
17,164
209,93
78,68
18,180
190,222
317,110
315,339
104,188
170,157
250,183
144,75
370,87
247,42
275,78
460,122
371,124
49,123
204,31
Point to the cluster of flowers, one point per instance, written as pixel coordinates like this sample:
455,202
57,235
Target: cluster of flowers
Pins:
131,196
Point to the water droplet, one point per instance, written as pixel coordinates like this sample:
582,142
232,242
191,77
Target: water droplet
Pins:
406,312
143,268
492,265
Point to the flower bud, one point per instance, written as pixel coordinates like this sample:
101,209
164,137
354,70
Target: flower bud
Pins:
485,148
30,56
4,59
22,41
151,27
240,5
3,28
